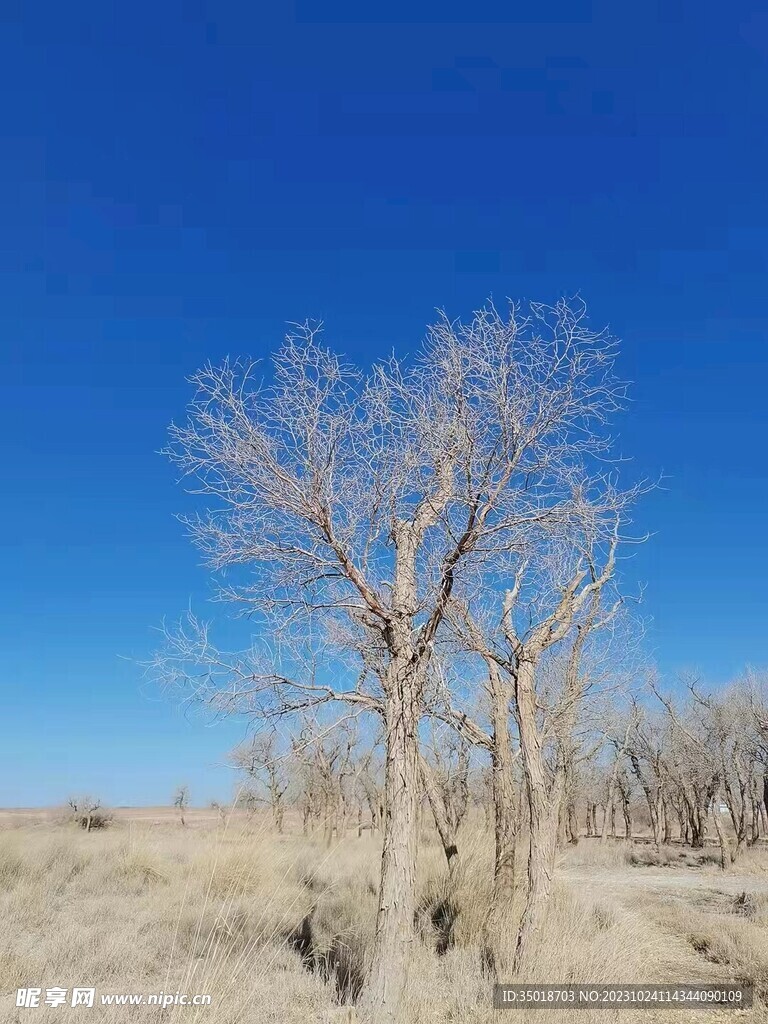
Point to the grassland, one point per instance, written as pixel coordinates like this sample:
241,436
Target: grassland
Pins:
276,928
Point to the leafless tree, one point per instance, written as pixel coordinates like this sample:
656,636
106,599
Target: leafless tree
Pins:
577,614
489,730
624,783
220,809
700,731
89,813
646,747
370,782
613,783
181,801
445,775
359,506
263,762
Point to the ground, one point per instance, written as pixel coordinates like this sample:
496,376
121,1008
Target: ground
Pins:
276,928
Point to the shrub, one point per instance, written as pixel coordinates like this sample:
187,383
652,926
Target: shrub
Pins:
88,813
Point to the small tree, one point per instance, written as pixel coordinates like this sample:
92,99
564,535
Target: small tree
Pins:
181,801
445,777
263,763
89,813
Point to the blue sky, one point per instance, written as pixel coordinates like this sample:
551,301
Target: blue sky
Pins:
178,180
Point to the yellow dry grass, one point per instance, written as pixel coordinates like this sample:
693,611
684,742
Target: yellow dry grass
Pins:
149,906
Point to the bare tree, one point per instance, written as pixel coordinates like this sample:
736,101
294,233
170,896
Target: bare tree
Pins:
181,801
535,660
445,776
262,761
614,781
576,615
700,730
89,813
361,504
624,783
647,743
369,781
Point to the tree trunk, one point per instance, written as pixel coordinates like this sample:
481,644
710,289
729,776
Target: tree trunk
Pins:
725,849
697,813
383,995
503,790
442,822
610,802
627,812
572,823
755,822
541,866
667,823
544,810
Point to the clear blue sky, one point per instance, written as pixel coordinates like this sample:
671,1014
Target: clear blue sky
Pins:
180,179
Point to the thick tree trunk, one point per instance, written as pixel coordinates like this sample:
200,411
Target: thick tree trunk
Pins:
541,867
544,808
383,994
503,788
697,814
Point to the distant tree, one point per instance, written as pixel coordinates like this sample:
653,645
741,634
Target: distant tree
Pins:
89,813
181,801
445,776
263,763
220,809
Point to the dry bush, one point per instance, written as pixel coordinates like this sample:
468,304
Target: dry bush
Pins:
88,813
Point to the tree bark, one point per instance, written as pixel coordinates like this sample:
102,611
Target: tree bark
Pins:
627,811
725,849
572,823
544,808
385,988
503,789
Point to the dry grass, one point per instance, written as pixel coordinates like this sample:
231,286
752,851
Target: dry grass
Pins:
277,929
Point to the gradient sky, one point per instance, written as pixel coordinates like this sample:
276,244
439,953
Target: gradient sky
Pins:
178,180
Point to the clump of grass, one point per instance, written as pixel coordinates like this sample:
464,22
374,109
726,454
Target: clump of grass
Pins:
614,854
